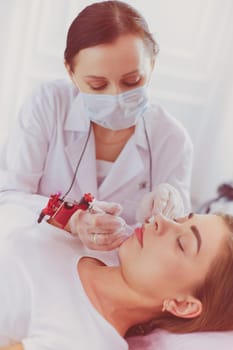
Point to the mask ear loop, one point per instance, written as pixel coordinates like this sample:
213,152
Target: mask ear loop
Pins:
150,155
78,164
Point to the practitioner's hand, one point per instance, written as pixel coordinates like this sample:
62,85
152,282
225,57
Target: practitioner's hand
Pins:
164,199
101,227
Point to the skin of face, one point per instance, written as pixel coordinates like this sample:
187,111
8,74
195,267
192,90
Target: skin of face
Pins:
170,260
112,68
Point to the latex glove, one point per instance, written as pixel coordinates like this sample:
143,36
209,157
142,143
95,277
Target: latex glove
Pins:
164,199
100,227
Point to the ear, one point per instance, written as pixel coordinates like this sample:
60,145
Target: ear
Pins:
189,307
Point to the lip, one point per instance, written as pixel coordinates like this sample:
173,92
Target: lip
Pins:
139,234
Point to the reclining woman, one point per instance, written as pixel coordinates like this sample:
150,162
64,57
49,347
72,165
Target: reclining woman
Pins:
172,274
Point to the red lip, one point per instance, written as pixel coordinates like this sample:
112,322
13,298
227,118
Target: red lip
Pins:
139,234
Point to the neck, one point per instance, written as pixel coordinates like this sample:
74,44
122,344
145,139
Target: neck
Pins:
111,137
115,301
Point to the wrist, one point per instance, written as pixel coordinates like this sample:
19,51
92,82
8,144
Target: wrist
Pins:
69,227
72,224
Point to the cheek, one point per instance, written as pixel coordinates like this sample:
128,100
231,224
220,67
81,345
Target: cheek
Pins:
166,270
182,276
156,271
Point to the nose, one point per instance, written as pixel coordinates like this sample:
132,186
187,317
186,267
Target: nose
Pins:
114,89
162,224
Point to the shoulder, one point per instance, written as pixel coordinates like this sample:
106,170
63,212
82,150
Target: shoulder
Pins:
21,233
54,90
161,119
29,240
35,245
48,104
164,126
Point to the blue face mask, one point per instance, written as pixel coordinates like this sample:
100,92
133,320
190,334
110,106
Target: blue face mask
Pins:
116,112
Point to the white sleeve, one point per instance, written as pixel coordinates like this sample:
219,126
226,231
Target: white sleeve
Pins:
15,299
23,157
33,202
179,167
19,209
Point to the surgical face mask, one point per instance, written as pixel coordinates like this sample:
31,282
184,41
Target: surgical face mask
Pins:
116,112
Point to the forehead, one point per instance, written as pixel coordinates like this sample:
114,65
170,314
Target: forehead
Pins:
213,231
127,53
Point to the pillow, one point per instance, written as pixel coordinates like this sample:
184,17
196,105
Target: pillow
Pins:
162,340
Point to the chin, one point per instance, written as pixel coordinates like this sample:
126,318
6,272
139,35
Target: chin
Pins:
125,247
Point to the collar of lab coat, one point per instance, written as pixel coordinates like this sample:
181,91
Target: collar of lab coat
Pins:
77,119
79,122
129,164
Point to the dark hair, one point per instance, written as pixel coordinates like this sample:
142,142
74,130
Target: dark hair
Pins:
103,22
216,295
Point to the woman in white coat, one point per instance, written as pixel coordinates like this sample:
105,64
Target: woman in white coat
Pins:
100,133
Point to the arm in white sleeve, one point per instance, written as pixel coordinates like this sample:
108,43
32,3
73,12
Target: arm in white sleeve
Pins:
23,156
181,173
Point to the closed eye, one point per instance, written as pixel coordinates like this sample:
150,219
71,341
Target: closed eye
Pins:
102,87
132,83
180,245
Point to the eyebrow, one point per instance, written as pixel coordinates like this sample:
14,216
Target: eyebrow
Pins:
100,77
134,71
94,77
197,235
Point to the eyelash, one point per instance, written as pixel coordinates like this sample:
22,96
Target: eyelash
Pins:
98,88
133,83
125,83
178,240
180,245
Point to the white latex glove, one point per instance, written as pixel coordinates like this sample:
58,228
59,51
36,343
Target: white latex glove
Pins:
99,228
164,199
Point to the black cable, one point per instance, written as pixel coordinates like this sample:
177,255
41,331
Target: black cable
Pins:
150,155
78,164
84,149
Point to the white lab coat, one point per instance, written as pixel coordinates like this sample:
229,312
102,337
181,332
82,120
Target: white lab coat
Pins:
44,148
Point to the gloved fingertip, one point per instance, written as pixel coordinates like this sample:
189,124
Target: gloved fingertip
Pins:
116,209
151,220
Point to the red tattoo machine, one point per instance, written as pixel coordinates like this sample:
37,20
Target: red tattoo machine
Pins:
61,210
